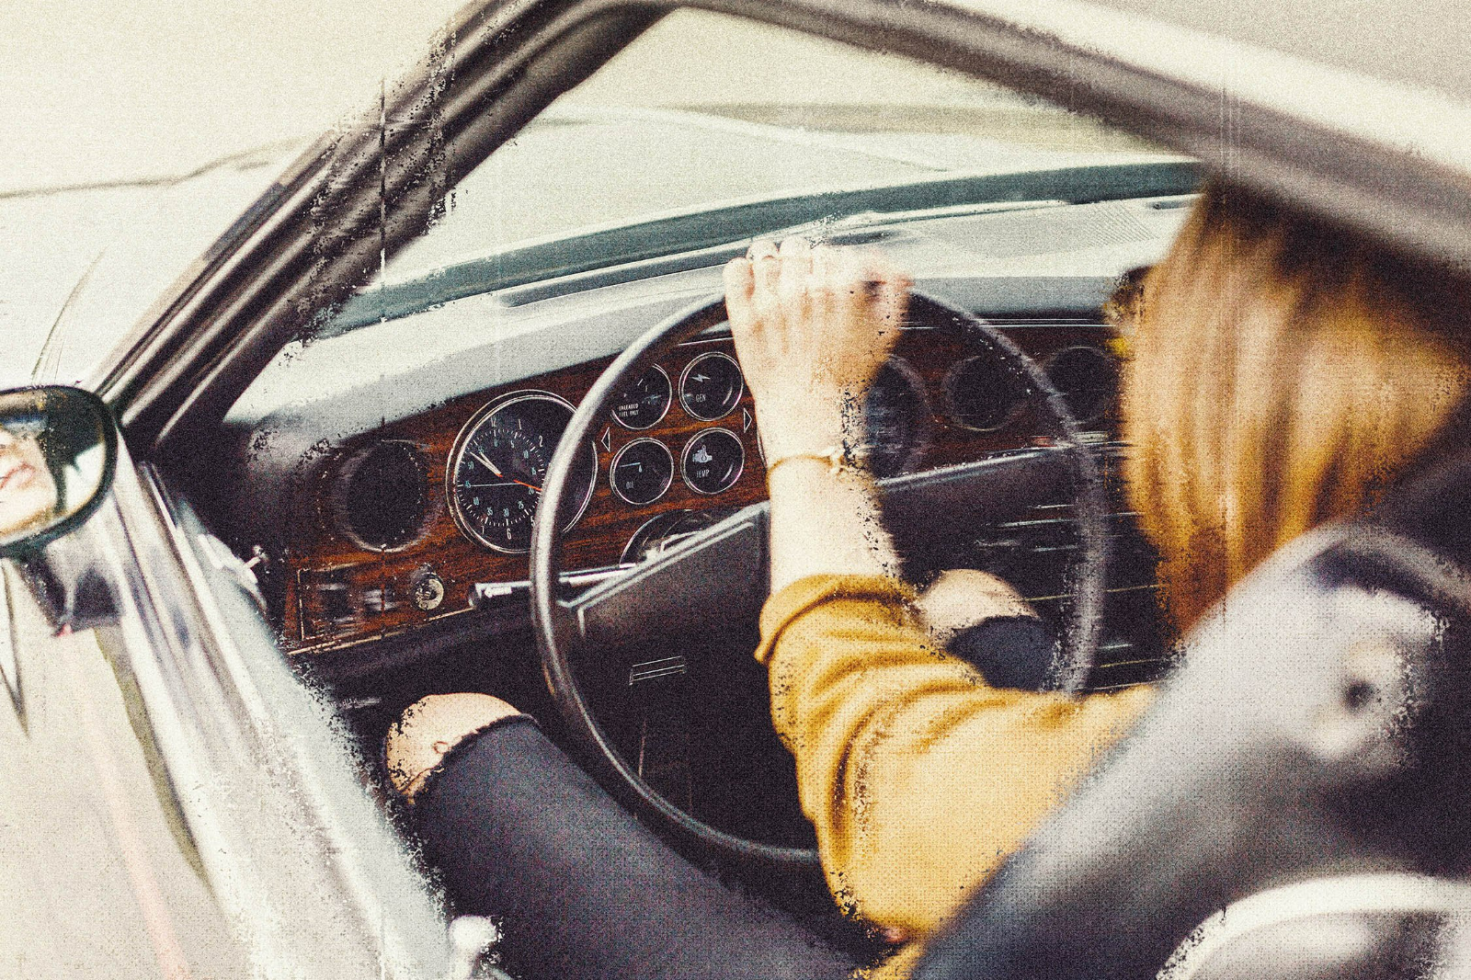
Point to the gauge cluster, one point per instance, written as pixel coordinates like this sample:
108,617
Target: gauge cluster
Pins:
432,516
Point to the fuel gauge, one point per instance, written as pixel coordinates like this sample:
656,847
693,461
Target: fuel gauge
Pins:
643,404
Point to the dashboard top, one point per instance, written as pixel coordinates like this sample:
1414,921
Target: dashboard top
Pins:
1012,261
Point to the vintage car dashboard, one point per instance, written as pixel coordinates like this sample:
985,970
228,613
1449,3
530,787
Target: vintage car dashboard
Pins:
431,516
388,509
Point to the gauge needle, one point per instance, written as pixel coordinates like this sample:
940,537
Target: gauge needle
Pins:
483,461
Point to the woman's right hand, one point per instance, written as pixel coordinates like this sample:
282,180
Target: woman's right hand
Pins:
813,325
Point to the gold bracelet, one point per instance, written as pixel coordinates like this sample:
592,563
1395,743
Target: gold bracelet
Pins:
834,457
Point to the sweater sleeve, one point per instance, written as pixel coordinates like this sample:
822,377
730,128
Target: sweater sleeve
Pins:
918,776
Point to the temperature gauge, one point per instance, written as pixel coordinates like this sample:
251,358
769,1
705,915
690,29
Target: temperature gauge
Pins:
713,461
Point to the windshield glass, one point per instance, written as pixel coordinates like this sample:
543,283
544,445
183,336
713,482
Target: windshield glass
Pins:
705,111
706,133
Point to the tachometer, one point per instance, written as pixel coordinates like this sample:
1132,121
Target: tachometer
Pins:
1088,379
498,465
896,420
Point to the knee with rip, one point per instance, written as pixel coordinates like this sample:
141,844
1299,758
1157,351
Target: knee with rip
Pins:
429,728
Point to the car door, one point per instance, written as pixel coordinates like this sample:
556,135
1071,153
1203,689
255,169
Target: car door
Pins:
175,800
96,871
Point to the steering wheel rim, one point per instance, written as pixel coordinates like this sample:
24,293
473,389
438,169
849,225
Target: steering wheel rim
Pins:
554,620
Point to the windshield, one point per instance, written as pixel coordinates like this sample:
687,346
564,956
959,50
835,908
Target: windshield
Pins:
707,111
706,133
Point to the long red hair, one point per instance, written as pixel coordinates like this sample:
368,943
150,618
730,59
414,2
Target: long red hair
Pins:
1283,373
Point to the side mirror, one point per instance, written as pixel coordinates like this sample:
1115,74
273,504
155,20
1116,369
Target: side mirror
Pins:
58,453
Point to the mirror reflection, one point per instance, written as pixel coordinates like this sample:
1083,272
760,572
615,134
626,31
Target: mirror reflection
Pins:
55,457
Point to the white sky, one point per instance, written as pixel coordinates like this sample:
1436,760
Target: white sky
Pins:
100,90
104,90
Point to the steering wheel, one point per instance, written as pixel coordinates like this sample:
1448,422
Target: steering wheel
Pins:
723,570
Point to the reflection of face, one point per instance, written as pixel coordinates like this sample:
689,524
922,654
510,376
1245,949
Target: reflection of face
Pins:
27,489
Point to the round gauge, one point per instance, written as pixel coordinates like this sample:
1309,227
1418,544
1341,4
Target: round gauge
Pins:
381,496
896,420
498,465
665,530
644,402
711,386
984,393
713,461
1087,379
642,471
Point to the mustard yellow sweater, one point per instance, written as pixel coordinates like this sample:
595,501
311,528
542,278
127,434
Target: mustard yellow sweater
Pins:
919,778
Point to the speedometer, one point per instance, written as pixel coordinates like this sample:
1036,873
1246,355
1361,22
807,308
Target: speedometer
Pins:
499,464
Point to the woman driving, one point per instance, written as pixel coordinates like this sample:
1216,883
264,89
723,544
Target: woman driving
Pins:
1282,375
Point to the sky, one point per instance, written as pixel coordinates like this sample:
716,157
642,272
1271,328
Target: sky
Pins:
107,90
101,97
112,90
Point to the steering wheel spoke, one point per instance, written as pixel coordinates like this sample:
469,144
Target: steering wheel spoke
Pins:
716,574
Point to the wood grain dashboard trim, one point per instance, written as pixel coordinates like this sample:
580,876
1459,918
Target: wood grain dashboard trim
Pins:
337,593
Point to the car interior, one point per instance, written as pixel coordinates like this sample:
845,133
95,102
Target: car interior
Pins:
382,473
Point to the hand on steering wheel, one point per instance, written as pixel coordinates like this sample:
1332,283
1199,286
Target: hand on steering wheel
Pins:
722,573
813,325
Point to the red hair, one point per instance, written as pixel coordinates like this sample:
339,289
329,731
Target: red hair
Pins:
1283,373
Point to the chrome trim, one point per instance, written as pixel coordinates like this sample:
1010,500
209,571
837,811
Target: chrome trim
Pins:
684,461
668,403
1336,895
457,453
485,593
735,402
653,670
613,469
